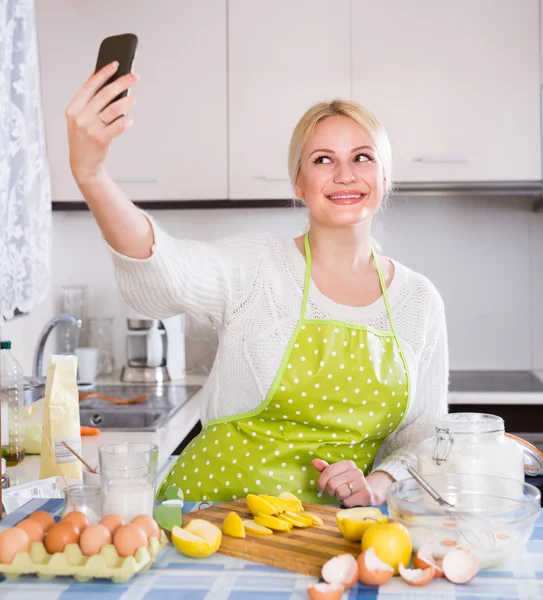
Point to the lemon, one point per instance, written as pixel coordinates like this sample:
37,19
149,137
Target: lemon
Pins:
275,502
258,505
198,539
391,542
301,518
293,521
316,521
272,522
353,522
233,525
288,496
252,527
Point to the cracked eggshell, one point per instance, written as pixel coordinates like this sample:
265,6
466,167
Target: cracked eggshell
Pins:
342,569
372,570
325,591
416,577
424,559
460,565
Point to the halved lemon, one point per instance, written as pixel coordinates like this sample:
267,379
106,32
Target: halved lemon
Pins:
233,525
353,522
198,539
251,527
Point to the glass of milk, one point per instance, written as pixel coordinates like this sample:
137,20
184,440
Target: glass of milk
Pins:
128,475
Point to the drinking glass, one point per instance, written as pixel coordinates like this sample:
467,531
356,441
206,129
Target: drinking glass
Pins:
101,335
85,498
128,473
73,301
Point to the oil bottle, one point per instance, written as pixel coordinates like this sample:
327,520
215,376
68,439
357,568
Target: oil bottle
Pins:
11,406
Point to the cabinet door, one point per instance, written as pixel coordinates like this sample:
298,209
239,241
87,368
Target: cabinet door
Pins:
176,148
284,56
456,85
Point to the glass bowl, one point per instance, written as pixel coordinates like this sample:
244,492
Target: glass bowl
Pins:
493,516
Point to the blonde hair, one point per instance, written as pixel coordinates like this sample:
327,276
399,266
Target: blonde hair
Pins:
345,108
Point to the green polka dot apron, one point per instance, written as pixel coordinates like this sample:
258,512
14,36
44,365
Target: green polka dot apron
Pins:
341,389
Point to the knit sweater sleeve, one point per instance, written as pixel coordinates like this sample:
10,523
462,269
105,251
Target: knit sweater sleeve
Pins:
429,401
187,276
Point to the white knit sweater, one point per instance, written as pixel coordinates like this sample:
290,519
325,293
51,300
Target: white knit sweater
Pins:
250,287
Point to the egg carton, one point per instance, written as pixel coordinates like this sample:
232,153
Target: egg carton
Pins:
72,562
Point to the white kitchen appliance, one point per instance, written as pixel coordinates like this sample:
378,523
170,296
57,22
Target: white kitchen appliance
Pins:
155,349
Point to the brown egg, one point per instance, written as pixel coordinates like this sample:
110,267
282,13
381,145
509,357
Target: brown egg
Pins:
148,524
44,518
128,539
112,523
33,530
78,519
60,535
13,541
93,539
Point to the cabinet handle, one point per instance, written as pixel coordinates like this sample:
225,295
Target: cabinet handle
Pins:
135,180
450,160
272,178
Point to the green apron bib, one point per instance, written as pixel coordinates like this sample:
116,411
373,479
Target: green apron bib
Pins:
342,388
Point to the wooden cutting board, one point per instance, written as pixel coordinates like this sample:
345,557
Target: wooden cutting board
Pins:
301,550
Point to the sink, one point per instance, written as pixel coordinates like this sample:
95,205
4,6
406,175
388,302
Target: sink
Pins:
127,418
162,403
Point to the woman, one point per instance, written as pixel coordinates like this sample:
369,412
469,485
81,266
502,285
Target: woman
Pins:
328,352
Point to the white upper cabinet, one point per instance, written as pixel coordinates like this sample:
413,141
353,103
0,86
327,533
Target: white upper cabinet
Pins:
177,147
456,85
284,56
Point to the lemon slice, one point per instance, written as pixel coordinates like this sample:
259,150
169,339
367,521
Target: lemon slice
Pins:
300,518
233,525
272,522
198,539
283,504
258,505
275,502
288,496
293,521
316,521
353,522
252,527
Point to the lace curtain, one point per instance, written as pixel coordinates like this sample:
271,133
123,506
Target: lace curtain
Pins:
25,192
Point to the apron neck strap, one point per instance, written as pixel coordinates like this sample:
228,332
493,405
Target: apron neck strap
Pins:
307,282
385,293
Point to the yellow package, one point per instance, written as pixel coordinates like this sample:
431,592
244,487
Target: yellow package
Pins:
61,420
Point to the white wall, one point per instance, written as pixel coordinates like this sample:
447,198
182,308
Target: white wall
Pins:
484,255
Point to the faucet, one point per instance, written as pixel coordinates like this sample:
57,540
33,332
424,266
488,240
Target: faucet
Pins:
44,335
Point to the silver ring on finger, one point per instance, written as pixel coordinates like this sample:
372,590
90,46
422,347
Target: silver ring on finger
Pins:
102,119
351,488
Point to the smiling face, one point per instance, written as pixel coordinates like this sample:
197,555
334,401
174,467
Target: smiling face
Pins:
341,177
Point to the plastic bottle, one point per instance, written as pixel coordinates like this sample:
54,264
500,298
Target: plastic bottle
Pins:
12,400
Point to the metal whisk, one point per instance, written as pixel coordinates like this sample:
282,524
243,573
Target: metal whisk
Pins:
455,514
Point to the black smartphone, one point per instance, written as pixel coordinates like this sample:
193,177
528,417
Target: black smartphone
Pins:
121,48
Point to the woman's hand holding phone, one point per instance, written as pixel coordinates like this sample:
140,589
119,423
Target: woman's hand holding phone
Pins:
93,123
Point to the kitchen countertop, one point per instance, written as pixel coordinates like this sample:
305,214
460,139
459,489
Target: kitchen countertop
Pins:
220,577
494,388
167,438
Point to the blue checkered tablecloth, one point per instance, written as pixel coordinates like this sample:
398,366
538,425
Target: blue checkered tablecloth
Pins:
177,577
